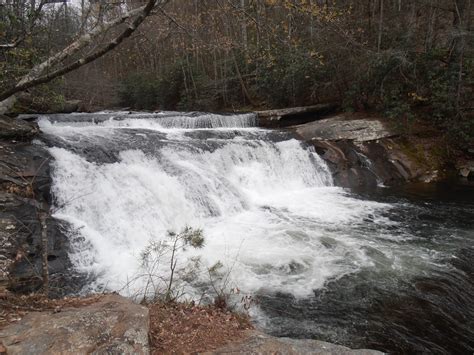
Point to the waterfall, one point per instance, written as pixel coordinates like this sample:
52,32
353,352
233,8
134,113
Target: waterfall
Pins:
265,201
323,262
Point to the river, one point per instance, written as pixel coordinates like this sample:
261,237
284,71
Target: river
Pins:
389,269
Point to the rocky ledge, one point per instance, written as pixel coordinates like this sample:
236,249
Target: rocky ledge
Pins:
259,343
25,192
112,325
362,151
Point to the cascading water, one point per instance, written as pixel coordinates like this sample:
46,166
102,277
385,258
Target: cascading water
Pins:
268,210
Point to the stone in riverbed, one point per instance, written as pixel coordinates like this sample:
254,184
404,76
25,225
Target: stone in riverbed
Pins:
113,325
258,343
467,170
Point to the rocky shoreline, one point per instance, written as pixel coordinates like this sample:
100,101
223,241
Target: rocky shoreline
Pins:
362,151
25,193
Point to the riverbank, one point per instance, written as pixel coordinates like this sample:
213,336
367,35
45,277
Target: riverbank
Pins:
366,150
109,323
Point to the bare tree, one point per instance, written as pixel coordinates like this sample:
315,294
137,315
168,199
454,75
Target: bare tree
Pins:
51,68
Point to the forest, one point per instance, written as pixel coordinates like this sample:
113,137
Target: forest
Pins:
405,59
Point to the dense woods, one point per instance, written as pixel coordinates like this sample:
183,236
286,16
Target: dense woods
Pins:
402,58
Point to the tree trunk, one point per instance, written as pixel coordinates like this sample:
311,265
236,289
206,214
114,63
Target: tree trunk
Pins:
36,77
42,216
379,40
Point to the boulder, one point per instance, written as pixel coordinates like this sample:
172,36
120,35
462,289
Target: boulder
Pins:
466,170
362,151
31,104
113,325
14,129
258,343
344,127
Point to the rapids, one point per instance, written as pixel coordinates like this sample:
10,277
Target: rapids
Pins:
322,262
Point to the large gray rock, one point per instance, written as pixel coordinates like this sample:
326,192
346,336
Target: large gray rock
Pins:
362,152
31,104
14,129
343,127
466,170
258,343
113,325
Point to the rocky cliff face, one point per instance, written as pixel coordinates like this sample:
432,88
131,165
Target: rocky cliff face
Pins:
363,152
24,193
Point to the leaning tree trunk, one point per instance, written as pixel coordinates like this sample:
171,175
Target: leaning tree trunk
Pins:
37,74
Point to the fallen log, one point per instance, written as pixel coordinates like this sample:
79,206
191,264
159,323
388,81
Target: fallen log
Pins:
294,115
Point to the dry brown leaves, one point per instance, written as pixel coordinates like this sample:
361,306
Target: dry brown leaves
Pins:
179,328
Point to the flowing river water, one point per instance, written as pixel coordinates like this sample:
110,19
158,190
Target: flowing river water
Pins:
389,269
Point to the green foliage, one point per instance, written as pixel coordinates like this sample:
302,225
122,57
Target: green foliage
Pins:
288,77
169,87
405,85
201,95
138,91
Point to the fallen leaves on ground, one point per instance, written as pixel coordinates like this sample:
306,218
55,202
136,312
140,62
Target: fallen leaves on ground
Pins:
179,328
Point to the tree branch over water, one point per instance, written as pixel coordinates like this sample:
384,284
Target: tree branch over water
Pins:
41,73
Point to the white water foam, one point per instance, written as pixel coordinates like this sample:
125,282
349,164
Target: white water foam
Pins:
268,209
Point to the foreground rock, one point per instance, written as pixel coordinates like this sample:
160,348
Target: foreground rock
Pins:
258,343
362,151
113,325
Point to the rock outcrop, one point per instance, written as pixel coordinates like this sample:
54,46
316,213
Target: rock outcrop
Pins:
14,129
27,103
113,325
466,169
364,152
343,127
25,184
258,343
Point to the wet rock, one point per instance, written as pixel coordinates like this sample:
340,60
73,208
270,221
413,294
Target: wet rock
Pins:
25,185
113,325
258,343
363,152
25,170
28,104
14,129
466,170
21,249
